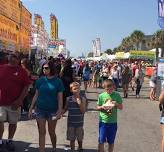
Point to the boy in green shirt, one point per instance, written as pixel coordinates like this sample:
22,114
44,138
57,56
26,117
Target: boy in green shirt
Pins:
108,103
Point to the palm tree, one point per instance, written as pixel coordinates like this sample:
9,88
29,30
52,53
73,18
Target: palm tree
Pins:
126,43
137,37
157,42
114,50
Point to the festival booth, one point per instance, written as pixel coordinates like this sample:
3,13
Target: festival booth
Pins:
104,57
144,56
107,57
122,56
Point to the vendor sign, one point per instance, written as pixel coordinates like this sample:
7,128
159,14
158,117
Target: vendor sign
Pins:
142,54
55,43
120,55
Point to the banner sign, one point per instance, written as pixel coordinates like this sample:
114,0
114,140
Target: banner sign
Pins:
54,27
142,54
55,43
10,9
120,55
161,13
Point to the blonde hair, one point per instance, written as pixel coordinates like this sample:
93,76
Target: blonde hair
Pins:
74,84
107,82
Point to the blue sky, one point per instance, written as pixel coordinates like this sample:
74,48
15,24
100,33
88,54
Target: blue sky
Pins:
81,21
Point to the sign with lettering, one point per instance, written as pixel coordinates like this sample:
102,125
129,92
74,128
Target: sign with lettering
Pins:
55,43
161,13
142,54
54,27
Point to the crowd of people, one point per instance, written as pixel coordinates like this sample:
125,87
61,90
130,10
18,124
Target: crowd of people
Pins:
54,88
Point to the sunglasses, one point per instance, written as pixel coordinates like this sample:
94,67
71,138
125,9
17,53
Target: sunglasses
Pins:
45,68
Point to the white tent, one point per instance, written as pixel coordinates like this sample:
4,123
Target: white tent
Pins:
105,56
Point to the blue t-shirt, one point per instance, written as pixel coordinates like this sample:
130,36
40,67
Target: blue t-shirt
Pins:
47,93
86,73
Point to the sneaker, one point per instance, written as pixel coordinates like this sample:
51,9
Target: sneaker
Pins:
10,146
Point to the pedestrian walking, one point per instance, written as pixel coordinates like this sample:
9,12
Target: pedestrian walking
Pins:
14,83
67,75
86,76
49,103
76,106
115,76
139,79
126,78
26,103
108,103
153,83
105,72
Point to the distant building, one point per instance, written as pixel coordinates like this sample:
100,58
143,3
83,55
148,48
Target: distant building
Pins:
143,44
39,41
15,26
96,47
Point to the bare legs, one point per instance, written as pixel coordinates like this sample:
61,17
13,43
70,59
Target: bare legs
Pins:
101,147
42,133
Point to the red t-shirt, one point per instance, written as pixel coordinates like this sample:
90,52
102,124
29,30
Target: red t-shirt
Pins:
12,81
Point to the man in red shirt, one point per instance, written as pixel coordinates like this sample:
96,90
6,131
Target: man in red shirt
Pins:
14,84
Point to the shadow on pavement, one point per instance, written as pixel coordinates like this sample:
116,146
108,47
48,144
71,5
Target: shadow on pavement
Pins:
26,147
90,150
91,91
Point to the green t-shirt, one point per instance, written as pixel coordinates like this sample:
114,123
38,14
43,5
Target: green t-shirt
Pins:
103,116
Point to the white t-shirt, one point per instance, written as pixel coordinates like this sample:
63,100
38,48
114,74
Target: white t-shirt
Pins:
115,74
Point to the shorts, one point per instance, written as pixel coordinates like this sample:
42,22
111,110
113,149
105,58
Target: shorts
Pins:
162,120
43,114
75,133
107,132
9,115
152,84
85,79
